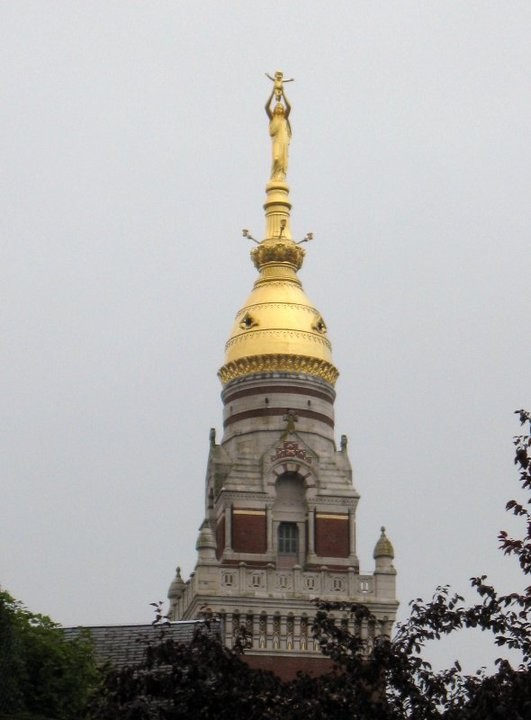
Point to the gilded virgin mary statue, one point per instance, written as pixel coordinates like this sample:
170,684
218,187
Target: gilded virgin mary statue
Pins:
279,128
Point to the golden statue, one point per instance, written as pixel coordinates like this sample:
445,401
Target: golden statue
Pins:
279,127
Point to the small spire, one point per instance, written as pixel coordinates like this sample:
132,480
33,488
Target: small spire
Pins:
205,540
383,547
177,586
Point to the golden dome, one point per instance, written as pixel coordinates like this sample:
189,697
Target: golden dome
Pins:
278,329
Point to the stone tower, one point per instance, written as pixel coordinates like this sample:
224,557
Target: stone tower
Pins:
280,508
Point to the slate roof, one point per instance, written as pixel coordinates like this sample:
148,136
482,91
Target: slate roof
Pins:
124,644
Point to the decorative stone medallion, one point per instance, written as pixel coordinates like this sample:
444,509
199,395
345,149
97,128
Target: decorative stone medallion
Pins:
290,449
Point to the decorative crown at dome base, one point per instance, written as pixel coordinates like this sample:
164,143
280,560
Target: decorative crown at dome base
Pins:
278,251
278,363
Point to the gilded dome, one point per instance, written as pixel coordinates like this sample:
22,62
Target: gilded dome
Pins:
278,329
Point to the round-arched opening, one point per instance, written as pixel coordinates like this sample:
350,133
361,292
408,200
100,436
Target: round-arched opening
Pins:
289,520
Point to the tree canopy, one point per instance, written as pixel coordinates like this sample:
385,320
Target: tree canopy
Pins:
42,675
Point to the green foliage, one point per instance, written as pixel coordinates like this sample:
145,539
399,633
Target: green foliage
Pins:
42,675
198,679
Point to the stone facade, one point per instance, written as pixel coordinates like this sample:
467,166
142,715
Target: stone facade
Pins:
280,525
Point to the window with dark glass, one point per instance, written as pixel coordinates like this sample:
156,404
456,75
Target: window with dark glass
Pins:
288,538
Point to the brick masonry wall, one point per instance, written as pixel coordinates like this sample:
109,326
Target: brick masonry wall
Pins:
332,536
286,668
249,531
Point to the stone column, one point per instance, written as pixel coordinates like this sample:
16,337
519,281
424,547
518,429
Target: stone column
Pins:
242,578
228,528
352,532
351,588
311,531
269,523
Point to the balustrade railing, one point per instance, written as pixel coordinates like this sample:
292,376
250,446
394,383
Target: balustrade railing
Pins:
246,580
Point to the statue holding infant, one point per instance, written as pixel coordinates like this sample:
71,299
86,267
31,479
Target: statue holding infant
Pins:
279,127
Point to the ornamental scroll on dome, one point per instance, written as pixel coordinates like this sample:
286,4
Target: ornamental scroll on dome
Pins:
279,126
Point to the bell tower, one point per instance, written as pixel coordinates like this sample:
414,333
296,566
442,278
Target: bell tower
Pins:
280,504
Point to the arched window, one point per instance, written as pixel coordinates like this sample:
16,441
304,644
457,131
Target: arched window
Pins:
288,538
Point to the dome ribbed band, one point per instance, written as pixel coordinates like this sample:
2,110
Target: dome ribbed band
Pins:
278,363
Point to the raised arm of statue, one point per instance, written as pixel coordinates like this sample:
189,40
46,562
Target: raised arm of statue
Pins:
288,106
268,104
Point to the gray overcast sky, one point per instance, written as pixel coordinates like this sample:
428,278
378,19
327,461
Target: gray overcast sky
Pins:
134,148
